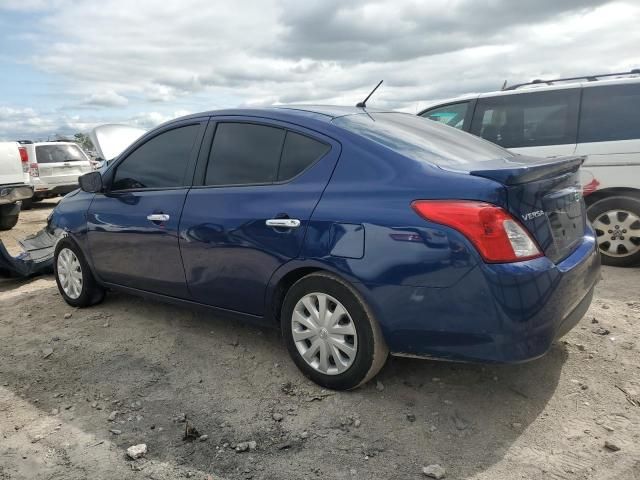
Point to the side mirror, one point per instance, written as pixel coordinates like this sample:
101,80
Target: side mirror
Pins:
91,182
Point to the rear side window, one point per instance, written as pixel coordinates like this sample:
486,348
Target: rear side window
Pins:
610,113
421,139
244,153
529,119
59,153
298,153
452,115
159,163
250,154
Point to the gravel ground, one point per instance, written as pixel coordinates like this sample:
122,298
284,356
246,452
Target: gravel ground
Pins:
64,372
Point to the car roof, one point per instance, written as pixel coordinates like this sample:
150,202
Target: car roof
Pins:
562,86
541,87
324,113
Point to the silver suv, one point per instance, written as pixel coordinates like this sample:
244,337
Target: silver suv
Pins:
54,168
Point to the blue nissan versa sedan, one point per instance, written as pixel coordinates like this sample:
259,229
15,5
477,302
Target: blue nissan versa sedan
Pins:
359,232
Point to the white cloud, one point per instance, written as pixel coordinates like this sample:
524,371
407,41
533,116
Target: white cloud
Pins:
147,59
34,5
29,124
149,120
106,99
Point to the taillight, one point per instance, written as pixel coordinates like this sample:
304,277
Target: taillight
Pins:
33,170
24,158
494,232
590,187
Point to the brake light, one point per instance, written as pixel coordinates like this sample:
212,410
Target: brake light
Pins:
590,187
24,158
497,236
33,170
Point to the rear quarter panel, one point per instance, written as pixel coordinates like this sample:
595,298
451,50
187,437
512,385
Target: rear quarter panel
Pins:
611,164
373,188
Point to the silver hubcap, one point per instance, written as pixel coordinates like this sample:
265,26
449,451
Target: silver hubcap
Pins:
324,333
618,233
69,273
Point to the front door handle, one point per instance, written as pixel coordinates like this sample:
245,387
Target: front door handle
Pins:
283,222
158,217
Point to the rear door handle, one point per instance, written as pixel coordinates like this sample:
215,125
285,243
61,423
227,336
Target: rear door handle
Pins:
158,217
283,222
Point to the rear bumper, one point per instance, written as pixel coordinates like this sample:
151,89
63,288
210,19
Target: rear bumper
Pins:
13,193
504,313
44,191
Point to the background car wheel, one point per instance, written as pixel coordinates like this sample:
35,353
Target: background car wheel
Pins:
27,204
330,332
7,222
75,281
616,221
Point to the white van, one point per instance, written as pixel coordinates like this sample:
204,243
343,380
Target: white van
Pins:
597,116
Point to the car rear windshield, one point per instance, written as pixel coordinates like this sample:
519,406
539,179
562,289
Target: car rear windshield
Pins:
422,139
59,153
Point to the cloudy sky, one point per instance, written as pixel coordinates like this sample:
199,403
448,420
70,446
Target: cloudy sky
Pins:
68,65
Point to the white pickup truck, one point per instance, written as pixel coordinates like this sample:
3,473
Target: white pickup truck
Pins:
14,183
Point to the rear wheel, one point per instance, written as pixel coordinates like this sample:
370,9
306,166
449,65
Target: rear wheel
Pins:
75,281
27,204
616,221
330,332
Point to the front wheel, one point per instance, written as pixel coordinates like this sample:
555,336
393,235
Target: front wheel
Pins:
331,333
616,221
75,281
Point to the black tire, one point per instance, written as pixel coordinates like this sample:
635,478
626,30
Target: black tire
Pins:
91,292
371,353
7,222
606,209
27,204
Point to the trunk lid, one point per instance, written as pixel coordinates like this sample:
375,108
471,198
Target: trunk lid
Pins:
111,140
546,196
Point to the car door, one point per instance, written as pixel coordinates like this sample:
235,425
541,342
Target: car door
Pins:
538,123
133,226
610,135
259,183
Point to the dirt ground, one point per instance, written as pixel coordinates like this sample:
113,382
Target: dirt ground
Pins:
63,372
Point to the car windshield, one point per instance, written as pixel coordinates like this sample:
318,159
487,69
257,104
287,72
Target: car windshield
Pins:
58,153
422,139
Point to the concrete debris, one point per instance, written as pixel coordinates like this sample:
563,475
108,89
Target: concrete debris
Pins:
611,446
245,446
434,471
137,451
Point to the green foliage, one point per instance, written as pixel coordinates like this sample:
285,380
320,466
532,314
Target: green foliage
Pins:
84,141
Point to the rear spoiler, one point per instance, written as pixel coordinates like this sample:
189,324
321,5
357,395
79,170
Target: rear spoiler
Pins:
521,169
